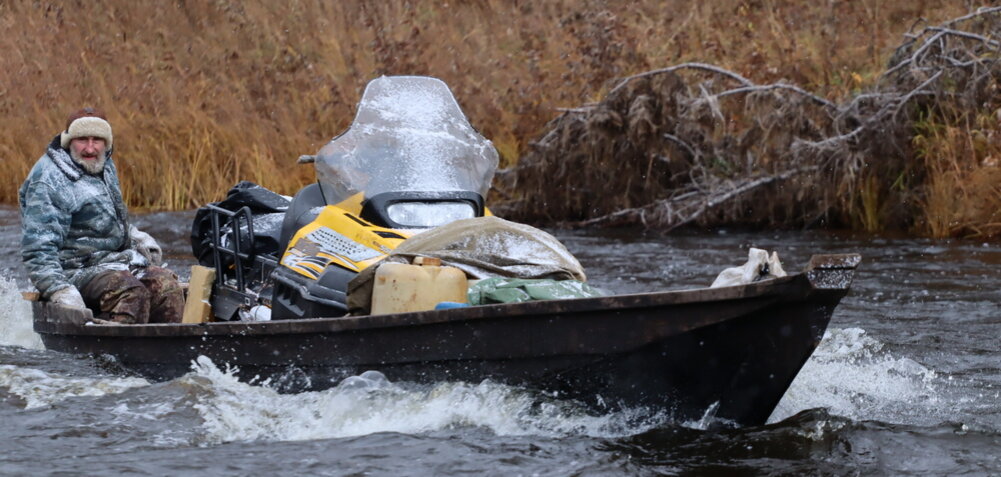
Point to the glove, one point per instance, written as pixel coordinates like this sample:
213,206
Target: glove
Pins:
68,296
146,245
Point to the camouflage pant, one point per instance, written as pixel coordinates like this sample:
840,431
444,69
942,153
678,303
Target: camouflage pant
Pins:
154,296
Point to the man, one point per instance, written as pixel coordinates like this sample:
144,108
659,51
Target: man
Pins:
77,244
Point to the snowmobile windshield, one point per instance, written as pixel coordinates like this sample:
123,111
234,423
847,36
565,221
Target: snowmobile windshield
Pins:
409,135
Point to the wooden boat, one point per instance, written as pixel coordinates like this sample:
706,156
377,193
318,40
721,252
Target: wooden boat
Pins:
733,350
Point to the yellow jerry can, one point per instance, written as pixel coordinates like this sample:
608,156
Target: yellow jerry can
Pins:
401,288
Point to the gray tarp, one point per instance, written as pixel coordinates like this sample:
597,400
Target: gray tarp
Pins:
517,290
482,247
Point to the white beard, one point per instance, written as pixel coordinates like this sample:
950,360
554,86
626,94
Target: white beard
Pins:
93,167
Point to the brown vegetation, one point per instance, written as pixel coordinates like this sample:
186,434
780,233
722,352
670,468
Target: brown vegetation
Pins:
698,143
203,93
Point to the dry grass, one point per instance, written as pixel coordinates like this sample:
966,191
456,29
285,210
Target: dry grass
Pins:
964,185
205,93
697,143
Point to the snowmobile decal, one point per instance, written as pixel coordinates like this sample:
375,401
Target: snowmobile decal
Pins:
313,252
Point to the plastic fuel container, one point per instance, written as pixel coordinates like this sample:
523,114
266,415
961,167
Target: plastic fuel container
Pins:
401,288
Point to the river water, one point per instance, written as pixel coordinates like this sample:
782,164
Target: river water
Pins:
906,381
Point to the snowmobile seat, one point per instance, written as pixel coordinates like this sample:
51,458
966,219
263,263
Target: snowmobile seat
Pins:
303,210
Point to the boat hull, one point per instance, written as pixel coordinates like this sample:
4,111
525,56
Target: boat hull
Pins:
732,350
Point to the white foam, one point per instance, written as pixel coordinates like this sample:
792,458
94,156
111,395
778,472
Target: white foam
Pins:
15,318
39,388
852,376
236,411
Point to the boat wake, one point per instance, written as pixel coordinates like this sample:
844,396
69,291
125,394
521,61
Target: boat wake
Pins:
366,404
38,388
851,375
15,318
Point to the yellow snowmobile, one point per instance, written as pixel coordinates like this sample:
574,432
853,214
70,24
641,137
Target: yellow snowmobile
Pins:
410,161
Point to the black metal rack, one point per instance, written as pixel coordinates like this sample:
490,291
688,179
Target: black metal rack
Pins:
238,223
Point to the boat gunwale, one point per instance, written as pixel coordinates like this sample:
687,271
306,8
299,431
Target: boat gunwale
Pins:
798,284
527,310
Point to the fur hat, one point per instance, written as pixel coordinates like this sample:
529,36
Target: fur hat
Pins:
86,122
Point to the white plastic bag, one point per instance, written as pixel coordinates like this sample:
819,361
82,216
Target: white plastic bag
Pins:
257,313
759,266
146,245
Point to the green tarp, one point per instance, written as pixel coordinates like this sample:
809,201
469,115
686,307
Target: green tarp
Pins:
517,290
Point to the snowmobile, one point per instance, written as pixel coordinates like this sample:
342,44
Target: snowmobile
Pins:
410,161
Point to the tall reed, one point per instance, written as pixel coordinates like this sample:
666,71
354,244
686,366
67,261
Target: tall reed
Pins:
204,93
963,192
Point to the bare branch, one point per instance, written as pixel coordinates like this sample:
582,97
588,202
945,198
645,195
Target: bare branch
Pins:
919,90
964,34
927,44
694,66
797,89
738,191
708,203
684,145
831,141
962,64
979,13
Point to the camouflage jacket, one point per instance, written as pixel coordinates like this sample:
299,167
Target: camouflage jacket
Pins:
74,224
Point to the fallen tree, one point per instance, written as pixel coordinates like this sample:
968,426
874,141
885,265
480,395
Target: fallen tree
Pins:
698,144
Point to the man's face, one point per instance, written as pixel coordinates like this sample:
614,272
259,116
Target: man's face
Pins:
88,152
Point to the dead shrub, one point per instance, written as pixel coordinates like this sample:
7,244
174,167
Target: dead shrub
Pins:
699,144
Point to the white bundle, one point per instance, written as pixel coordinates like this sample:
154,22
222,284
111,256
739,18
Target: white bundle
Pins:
759,266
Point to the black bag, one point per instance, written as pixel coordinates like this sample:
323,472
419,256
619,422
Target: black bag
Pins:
267,210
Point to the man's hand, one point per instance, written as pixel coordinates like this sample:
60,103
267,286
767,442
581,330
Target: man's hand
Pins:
146,245
68,296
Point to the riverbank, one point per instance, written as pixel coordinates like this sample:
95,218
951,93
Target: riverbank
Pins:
204,94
